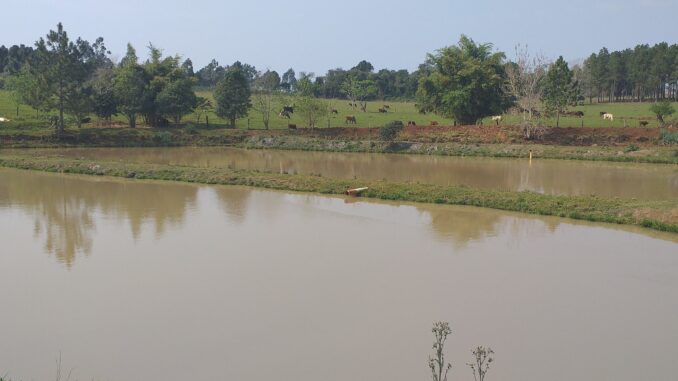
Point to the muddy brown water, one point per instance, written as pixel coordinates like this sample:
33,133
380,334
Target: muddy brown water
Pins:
626,180
131,280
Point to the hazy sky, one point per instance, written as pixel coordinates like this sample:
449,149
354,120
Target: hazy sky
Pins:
317,35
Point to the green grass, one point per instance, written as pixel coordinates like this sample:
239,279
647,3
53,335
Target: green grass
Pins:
28,122
658,215
630,111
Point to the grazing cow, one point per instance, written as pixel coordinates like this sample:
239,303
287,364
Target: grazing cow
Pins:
334,111
608,116
603,113
644,123
383,110
288,109
497,119
411,123
350,119
4,120
578,114
434,123
284,114
292,126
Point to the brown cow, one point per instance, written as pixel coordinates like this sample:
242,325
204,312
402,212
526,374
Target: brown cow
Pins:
383,110
350,119
644,123
434,123
292,126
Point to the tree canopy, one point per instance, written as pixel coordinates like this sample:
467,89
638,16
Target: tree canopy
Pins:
465,82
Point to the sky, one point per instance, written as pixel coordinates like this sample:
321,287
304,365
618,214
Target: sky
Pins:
315,36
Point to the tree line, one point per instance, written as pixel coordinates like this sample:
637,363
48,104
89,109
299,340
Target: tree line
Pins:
466,82
644,72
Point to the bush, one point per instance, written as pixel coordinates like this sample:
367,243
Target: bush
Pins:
668,137
163,138
631,148
191,129
391,130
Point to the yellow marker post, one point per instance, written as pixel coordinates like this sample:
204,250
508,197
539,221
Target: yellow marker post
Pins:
530,156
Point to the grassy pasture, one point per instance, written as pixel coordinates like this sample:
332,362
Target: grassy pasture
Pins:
28,122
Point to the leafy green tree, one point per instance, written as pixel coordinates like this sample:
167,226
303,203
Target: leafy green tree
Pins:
105,105
289,81
465,82
662,109
359,91
233,95
29,89
559,89
129,86
177,98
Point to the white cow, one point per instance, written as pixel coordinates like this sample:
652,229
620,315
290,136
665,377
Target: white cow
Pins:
497,119
3,120
608,116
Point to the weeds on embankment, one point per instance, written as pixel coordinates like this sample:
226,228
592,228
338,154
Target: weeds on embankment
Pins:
658,215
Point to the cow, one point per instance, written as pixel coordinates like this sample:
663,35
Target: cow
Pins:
284,114
603,113
334,111
4,120
578,114
350,119
383,110
292,126
411,123
434,123
387,107
608,116
497,119
288,109
644,123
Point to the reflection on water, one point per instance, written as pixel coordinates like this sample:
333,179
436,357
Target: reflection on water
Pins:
64,208
643,181
194,282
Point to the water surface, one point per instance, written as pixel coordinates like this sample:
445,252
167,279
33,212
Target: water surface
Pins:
133,280
627,180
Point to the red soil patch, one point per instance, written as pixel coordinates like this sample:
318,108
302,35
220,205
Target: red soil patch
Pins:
579,136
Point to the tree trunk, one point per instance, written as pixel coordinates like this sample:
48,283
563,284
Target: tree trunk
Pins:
132,121
558,118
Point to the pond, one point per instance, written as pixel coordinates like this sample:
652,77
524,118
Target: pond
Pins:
132,280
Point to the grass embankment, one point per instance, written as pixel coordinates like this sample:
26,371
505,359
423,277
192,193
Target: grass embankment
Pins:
659,215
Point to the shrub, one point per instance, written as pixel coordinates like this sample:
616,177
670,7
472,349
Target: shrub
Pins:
191,129
391,130
631,148
163,138
668,137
